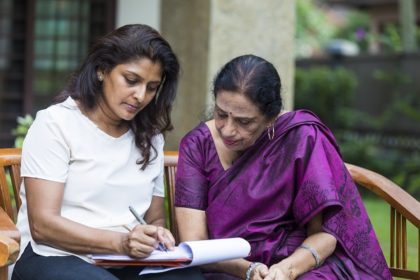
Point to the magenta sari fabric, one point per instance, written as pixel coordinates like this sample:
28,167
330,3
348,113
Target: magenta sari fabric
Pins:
274,189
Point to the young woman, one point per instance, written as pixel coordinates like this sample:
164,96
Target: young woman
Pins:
96,152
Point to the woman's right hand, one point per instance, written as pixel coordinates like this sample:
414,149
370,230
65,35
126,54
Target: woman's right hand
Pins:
259,272
141,241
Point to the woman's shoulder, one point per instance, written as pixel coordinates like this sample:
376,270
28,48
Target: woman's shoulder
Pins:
299,116
198,139
199,133
301,125
59,111
299,120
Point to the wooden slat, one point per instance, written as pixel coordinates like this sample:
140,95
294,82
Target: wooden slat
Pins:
404,242
10,161
397,272
170,162
16,180
392,235
5,202
398,251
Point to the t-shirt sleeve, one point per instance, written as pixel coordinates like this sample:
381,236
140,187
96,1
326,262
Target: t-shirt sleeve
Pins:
318,170
45,154
159,186
191,182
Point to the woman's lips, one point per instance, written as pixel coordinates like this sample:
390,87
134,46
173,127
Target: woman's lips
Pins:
229,142
131,108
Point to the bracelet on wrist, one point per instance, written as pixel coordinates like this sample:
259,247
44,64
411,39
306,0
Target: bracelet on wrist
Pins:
314,253
251,267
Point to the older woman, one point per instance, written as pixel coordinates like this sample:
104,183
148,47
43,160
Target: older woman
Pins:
276,179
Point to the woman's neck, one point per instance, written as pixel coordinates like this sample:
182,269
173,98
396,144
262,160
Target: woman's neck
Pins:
105,122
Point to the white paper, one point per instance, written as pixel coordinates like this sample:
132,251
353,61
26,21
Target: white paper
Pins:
209,251
178,253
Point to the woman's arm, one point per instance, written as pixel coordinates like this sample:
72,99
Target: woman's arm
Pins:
302,259
44,199
192,225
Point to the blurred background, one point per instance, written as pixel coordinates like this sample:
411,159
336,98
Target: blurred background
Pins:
356,64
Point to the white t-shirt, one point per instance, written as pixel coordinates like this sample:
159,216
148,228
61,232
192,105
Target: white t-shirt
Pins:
100,175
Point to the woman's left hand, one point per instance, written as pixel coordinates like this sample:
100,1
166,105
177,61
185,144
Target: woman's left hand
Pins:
165,237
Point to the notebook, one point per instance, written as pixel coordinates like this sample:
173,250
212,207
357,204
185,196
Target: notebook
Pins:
186,254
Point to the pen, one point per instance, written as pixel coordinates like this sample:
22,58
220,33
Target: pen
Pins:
143,222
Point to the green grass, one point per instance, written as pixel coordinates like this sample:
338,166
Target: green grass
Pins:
379,213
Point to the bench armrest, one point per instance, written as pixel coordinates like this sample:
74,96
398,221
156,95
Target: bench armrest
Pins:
9,240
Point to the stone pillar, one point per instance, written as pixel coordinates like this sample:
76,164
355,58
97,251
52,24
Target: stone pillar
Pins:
207,33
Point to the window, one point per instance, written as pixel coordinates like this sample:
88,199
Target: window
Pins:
41,43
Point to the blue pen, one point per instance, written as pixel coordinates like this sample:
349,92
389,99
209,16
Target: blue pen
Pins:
143,222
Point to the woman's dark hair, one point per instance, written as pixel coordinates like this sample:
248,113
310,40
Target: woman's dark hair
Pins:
124,45
256,78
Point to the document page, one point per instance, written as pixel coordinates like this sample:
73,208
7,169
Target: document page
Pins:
208,251
157,255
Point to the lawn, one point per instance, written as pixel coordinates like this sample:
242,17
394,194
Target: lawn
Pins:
379,213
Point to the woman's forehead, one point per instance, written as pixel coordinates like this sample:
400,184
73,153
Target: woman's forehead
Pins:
236,104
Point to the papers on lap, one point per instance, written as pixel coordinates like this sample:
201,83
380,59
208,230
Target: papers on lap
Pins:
187,254
176,257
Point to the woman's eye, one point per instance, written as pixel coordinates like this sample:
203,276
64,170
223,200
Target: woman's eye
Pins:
244,122
152,88
221,115
130,81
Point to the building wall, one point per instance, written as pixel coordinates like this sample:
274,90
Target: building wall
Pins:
138,11
207,33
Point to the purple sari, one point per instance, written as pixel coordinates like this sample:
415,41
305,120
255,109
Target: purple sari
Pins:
274,189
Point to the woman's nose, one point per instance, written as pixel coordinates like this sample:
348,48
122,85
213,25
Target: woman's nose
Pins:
140,93
229,128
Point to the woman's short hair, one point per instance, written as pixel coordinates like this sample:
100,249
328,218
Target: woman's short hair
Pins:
124,45
254,77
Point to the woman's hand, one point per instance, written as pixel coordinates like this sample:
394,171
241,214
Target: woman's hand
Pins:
278,272
259,272
165,237
143,239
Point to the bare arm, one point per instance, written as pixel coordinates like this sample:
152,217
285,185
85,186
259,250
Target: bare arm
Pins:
44,199
302,260
193,226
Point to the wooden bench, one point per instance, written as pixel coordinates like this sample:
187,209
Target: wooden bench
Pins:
403,208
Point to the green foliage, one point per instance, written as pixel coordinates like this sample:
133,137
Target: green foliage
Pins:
315,27
390,39
405,103
312,30
327,92
356,30
23,124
